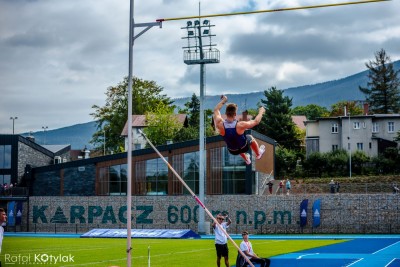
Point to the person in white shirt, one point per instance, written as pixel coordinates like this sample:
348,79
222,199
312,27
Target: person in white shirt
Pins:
3,219
247,249
221,239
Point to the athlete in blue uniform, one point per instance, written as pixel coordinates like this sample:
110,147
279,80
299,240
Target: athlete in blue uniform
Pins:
233,131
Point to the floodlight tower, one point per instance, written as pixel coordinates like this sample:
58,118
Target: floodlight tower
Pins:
199,52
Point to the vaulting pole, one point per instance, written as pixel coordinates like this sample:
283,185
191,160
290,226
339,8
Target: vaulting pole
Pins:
195,197
273,10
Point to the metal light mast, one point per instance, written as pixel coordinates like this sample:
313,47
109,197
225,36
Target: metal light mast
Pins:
199,52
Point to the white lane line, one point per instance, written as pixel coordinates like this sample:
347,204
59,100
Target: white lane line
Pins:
299,257
386,247
390,262
354,262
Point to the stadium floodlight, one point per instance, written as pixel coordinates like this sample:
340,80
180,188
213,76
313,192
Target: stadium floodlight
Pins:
44,133
13,119
194,54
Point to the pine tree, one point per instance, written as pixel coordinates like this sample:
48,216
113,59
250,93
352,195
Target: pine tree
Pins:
382,91
192,109
277,121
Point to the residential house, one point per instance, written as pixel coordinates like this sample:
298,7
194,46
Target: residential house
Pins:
371,134
139,123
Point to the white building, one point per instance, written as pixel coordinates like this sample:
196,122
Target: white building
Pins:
369,133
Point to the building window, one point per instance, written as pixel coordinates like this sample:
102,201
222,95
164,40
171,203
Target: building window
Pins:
312,145
138,146
335,147
138,130
370,145
375,127
156,177
335,128
113,180
360,146
234,174
391,127
5,157
191,171
356,125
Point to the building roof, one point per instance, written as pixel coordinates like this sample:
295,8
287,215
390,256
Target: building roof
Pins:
299,121
57,148
139,121
373,116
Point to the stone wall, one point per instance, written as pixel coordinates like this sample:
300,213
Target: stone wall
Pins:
29,155
340,213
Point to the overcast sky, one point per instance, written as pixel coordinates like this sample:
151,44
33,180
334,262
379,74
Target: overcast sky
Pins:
57,57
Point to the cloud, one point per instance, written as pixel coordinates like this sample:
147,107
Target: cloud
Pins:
57,58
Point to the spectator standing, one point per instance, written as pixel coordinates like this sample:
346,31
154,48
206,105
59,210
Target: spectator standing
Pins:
270,185
395,188
221,239
288,186
279,190
332,186
337,187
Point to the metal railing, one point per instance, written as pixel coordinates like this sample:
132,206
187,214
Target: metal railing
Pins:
15,191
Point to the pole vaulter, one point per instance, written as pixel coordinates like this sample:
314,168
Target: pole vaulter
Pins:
196,198
273,10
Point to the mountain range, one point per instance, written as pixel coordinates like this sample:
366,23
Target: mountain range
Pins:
324,94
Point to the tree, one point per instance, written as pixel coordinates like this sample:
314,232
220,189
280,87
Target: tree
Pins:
358,160
316,163
311,111
193,130
382,91
286,161
337,162
162,124
112,117
338,108
193,110
277,122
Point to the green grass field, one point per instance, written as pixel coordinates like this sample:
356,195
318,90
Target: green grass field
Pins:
111,252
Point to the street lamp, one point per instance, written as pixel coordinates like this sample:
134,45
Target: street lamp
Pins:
104,141
13,119
349,146
195,53
347,113
44,131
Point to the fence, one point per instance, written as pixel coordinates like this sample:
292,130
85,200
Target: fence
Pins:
348,188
